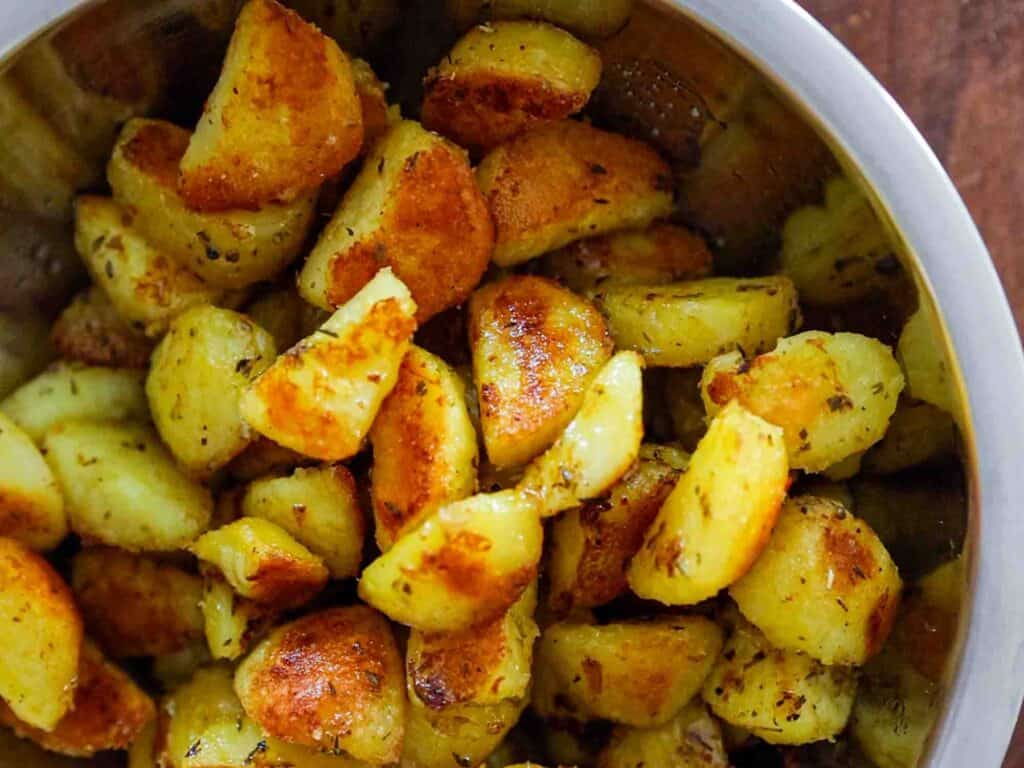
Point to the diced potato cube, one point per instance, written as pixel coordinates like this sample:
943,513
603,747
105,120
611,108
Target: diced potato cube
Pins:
918,433
31,505
536,347
566,181
91,331
930,372
719,516
832,394
231,623
321,396
462,734
590,18
692,739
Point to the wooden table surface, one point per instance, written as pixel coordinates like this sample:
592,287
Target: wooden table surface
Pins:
957,67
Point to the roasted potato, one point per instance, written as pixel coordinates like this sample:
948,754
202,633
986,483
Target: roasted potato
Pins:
330,680
41,634
262,562
231,623
686,324
639,673
285,315
24,348
590,18
832,394
31,505
135,605
918,433
414,207
692,739
681,392
718,518
228,249
536,347
378,116
321,396
424,447
925,632
91,331
566,181
464,565
462,734
930,372
121,486
506,78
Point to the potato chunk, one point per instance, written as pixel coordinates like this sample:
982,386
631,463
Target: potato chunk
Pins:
414,207
37,678
824,585
90,330
31,505
536,347
832,394
562,182
121,486
231,623
783,697
318,506
109,711
464,565
262,562
505,78
197,375
692,739
321,396
686,324
918,433
228,249
424,447
930,371
463,734
719,516
134,605
331,680
634,672
590,18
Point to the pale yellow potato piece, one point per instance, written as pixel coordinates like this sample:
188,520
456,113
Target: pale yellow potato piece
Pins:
686,324
832,394
261,561
918,433
122,487
930,372
37,679
231,623
142,752
70,392
598,446
321,396
638,673
31,505
464,565
590,18
90,330
24,348
719,516
536,346
462,734
692,739
780,696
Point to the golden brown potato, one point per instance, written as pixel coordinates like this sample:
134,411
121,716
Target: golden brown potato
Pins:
918,433
462,734
231,623
91,331
330,680
692,739
136,606
25,348
122,487
414,207
635,672
720,514
262,562
109,711
926,361
285,316
321,396
506,78
37,679
567,181
228,249
687,324
31,505
591,18
832,394
283,116
373,101
536,347
466,564
424,447
197,375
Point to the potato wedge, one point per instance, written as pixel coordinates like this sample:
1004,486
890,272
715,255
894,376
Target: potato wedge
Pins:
330,680
31,505
231,623
414,207
25,348
536,347
567,181
598,446
37,679
463,734
832,394
918,433
639,673
930,371
134,605
122,488
720,514
466,564
686,324
590,18
198,373
321,396
692,739
424,447
262,562
91,331
227,249
505,78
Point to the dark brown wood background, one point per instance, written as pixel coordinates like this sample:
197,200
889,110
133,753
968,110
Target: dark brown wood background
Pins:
957,67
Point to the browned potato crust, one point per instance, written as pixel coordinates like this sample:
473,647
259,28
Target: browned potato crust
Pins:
89,330
373,101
